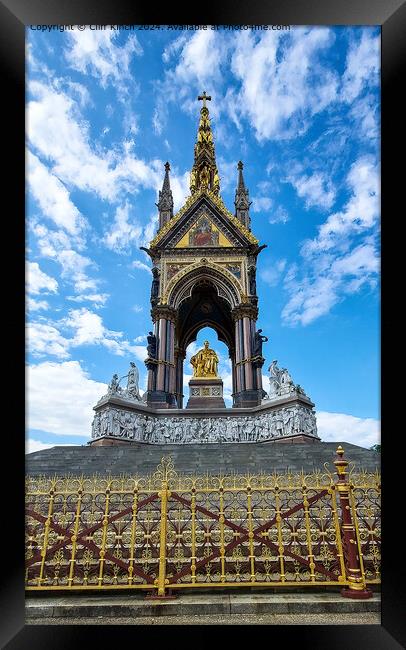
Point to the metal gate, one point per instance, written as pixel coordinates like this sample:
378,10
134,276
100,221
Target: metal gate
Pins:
170,531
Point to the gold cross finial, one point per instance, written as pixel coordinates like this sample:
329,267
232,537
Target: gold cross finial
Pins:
204,97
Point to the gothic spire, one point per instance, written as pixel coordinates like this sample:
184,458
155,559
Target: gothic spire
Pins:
242,202
204,174
165,201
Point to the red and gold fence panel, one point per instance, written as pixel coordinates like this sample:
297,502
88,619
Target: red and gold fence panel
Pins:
366,512
170,531
92,532
262,530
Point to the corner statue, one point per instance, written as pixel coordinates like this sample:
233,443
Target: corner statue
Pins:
205,362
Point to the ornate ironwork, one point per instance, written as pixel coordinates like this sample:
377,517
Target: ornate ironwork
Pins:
172,531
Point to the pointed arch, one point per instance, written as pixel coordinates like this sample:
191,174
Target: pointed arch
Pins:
182,284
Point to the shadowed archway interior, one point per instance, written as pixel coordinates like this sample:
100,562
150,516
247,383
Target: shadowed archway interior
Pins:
204,308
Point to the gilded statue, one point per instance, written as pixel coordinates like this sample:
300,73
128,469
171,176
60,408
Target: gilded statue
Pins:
205,363
204,177
216,182
192,180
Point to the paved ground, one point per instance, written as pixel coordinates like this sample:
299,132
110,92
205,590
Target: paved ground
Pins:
367,618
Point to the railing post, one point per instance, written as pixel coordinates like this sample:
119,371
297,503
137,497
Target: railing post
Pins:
162,539
357,586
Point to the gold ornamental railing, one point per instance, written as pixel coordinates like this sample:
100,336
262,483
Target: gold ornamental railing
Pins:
169,531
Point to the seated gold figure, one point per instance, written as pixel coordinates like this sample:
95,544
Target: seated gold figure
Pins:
205,363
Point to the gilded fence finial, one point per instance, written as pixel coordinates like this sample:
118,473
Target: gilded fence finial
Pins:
165,470
340,463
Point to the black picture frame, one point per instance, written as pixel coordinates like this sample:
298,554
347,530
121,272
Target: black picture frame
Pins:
14,16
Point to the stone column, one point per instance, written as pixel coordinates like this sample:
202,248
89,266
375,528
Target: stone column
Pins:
231,353
162,395
246,392
160,382
180,355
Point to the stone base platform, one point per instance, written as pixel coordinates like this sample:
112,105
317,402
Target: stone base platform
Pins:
140,458
206,394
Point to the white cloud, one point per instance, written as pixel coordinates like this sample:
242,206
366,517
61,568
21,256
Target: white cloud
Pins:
173,48
88,329
180,189
123,232
282,80
36,305
39,281
343,257
32,445
97,53
53,197
43,339
85,328
200,59
136,264
138,309
361,211
56,128
366,116
61,397
272,274
97,298
310,299
260,203
317,190
57,246
279,215
362,66
126,232
340,427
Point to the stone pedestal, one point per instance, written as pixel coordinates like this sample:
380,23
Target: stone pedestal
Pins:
206,394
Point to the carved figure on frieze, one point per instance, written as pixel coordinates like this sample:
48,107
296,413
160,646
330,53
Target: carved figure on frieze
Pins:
259,339
149,429
96,426
287,415
297,421
248,430
114,387
125,425
139,428
278,423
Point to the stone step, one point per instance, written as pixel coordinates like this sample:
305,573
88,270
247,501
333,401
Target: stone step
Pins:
135,605
214,458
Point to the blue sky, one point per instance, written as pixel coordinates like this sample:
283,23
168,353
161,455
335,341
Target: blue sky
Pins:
106,110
